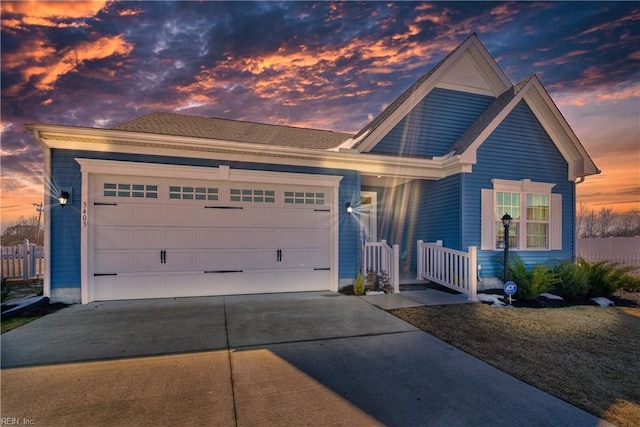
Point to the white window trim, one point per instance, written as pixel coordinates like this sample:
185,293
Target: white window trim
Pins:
524,187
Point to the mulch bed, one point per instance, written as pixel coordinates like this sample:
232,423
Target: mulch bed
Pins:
619,299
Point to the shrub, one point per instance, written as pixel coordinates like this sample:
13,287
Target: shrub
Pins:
358,285
606,277
573,279
594,279
378,281
632,284
531,283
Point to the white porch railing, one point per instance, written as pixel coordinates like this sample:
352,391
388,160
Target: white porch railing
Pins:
23,261
457,270
380,257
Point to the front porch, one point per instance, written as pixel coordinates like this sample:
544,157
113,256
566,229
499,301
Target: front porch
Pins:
454,272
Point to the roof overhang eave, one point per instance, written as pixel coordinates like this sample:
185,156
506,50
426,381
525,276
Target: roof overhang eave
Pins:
92,139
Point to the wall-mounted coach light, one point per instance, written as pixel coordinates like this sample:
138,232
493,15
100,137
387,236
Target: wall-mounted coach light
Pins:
63,198
349,208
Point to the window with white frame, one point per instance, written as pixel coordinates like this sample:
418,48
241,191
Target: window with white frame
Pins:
536,213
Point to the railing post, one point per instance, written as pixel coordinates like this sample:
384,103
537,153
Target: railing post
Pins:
420,260
473,273
383,260
25,260
396,268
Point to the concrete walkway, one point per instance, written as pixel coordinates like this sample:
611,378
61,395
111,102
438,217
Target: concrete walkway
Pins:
285,359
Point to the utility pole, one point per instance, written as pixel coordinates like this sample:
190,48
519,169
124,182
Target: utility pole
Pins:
39,208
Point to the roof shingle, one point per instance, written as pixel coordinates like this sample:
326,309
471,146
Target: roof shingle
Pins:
233,130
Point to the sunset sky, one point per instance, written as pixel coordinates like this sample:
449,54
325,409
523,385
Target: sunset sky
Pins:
323,65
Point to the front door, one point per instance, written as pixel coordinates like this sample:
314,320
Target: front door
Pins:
369,216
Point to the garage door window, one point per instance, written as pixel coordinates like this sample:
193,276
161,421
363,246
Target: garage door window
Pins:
304,197
251,195
136,191
192,193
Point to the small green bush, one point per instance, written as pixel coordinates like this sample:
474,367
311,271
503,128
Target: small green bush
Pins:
632,284
580,279
594,279
378,281
358,285
573,279
531,282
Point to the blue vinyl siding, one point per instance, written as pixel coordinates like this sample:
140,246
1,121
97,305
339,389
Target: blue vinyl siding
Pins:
518,149
420,210
434,125
65,223
443,199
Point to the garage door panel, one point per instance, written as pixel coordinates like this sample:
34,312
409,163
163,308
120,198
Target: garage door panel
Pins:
308,258
172,285
211,238
129,215
304,239
110,261
128,238
200,215
210,247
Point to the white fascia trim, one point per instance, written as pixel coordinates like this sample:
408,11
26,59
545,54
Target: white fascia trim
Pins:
555,124
470,153
222,173
349,143
501,81
434,79
107,140
46,285
560,132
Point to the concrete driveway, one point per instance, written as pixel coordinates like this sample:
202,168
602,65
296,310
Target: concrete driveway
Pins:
282,359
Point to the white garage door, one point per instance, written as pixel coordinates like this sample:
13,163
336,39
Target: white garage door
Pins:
165,237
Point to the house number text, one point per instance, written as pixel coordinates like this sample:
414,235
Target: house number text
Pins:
84,214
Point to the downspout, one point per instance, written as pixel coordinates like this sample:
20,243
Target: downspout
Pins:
575,234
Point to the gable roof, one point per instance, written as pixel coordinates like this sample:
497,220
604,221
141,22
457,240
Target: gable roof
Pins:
469,68
483,122
496,80
233,130
535,95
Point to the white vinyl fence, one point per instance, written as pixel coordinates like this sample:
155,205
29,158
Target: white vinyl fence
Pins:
25,261
622,250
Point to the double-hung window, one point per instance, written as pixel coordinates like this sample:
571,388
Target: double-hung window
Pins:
536,215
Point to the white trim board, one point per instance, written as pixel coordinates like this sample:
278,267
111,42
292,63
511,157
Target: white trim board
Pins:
93,167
